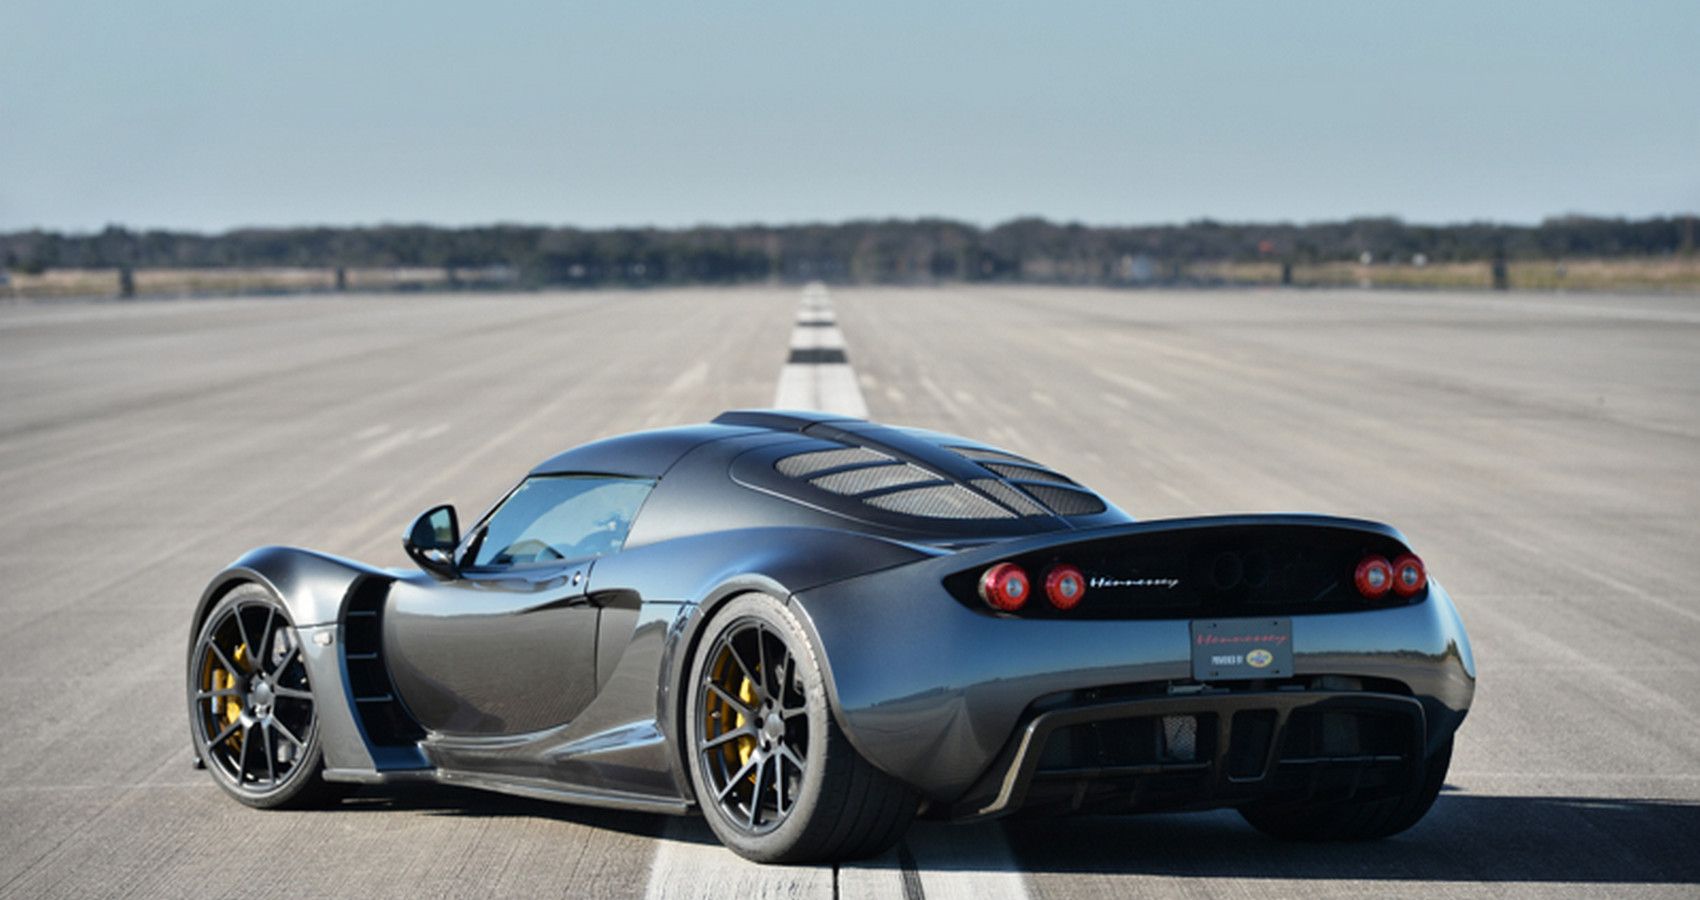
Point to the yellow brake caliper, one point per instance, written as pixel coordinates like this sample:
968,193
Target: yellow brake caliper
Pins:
230,708
738,751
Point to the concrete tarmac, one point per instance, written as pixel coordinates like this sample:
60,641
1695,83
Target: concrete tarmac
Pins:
1542,453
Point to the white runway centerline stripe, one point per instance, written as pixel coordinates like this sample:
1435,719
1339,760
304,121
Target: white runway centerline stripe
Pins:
817,374
691,863
937,861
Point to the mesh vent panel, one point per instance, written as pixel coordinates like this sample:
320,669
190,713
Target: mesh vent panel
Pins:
802,465
978,455
1025,473
873,478
941,501
1009,496
1065,501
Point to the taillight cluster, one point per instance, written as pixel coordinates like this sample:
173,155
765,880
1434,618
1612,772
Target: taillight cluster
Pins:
1404,576
1005,587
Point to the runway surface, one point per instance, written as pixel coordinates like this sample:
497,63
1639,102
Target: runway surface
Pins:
1542,452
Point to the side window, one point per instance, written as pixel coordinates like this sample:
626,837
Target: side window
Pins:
560,517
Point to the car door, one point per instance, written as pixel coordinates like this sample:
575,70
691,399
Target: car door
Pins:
509,646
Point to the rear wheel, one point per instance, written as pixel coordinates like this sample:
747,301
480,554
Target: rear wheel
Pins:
775,777
252,713
1355,820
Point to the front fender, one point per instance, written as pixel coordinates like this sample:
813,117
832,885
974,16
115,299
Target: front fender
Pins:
312,587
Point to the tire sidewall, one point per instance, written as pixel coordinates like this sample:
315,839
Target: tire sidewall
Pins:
780,620
311,758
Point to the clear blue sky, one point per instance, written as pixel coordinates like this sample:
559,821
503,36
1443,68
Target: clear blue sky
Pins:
209,115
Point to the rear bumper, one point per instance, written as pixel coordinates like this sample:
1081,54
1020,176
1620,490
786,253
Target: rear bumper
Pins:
945,698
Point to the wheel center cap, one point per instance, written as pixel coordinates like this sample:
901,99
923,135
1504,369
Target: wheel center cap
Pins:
260,697
773,729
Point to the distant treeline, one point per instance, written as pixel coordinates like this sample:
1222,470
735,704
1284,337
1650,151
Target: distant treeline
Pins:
859,251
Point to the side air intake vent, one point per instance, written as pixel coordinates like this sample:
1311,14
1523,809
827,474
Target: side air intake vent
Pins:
385,721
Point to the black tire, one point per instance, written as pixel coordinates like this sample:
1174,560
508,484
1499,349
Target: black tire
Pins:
252,713
790,789
1355,820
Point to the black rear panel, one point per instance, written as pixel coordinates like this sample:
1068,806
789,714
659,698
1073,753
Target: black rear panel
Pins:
1224,749
1214,571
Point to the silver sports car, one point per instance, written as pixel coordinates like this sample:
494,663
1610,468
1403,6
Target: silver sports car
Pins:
812,629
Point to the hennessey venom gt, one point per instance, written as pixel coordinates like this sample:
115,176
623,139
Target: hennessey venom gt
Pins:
813,629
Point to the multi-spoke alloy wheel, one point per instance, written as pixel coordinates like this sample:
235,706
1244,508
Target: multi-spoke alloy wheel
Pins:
774,775
754,735
251,708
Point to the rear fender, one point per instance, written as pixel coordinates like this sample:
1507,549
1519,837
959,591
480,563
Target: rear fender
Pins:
702,573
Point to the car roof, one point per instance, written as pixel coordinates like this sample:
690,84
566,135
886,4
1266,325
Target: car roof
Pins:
762,467
649,454
641,454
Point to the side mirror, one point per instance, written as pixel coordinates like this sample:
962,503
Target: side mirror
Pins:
432,540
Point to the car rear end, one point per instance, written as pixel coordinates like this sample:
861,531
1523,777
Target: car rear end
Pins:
1160,665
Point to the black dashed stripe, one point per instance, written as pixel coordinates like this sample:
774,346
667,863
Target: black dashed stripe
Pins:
818,355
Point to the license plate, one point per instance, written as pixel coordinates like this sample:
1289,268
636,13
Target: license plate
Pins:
1239,649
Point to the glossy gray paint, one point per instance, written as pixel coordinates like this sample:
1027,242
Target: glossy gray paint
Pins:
493,654
540,684
344,746
312,585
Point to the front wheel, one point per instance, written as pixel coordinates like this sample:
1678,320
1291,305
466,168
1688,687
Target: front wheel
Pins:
1355,820
252,713
775,777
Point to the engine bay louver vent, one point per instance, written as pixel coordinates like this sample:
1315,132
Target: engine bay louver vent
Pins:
873,478
1013,487
1009,496
983,455
1066,501
1028,473
1058,493
804,465
940,501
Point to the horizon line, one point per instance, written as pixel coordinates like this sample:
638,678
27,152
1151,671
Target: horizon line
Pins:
856,220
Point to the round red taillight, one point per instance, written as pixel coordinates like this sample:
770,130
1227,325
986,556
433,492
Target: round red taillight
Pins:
1065,586
1005,587
1409,576
1374,577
